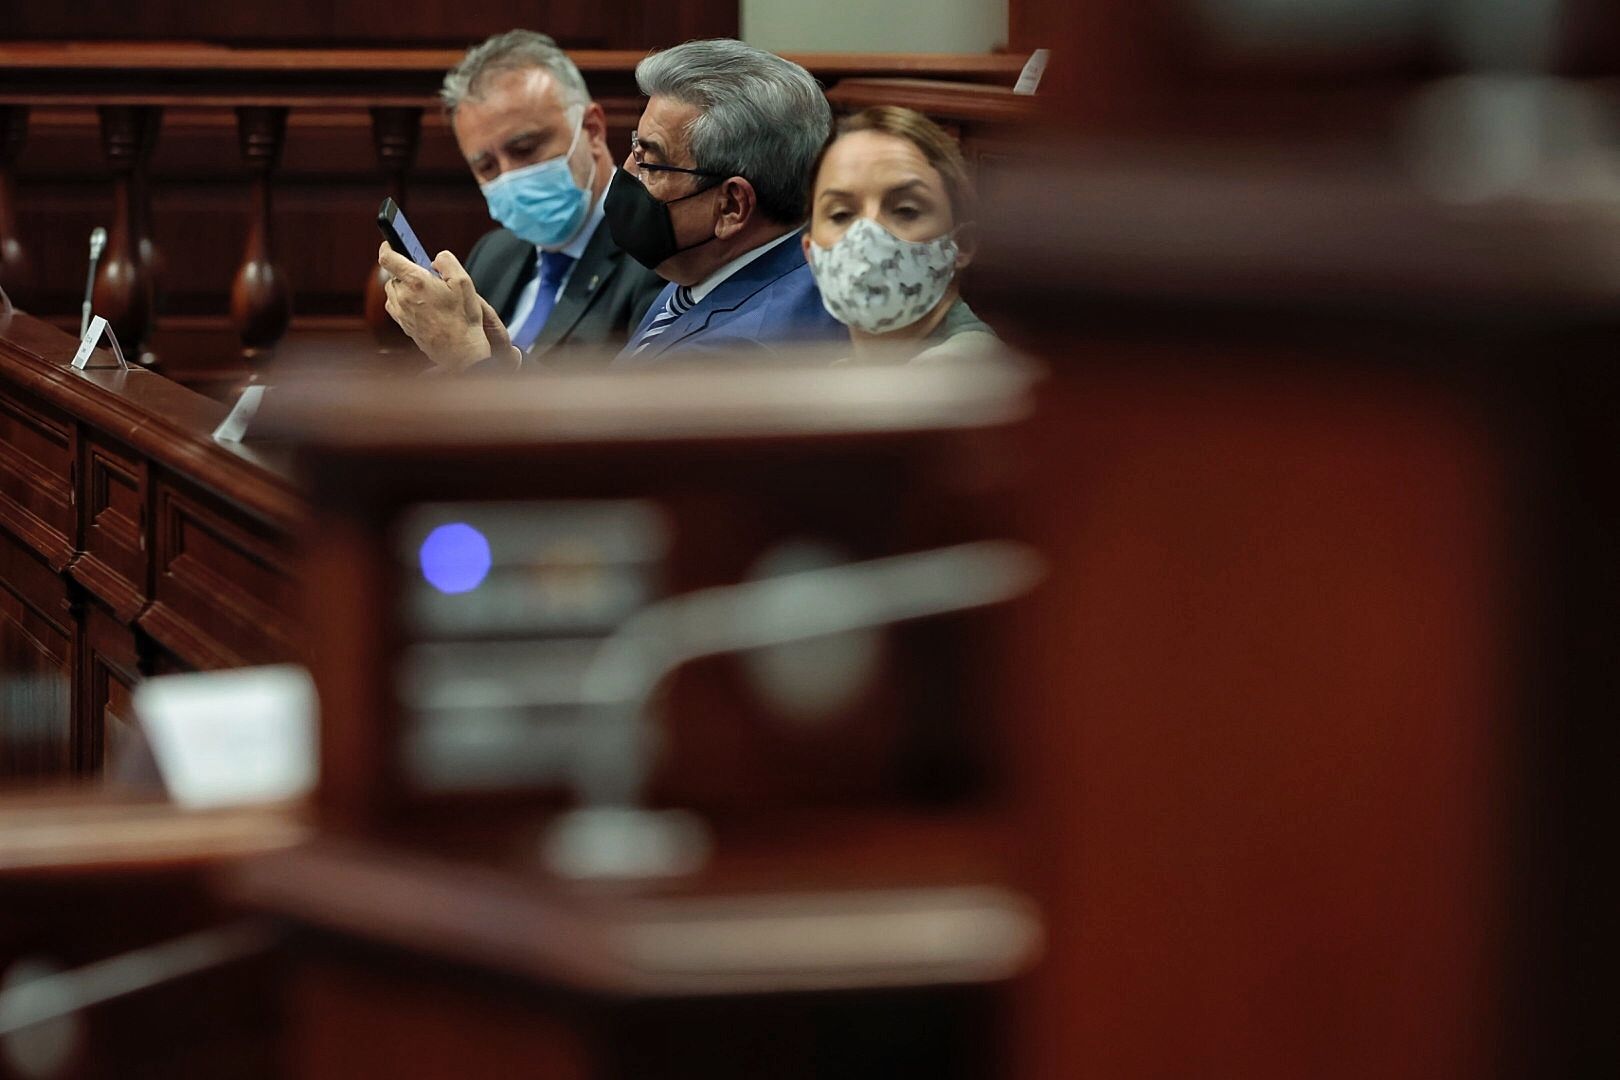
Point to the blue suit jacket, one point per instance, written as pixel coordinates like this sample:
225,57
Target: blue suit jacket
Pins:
768,303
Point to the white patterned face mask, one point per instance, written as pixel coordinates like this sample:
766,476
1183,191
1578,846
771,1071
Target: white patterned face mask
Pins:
876,282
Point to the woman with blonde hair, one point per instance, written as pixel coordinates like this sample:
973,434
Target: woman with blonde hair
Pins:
891,212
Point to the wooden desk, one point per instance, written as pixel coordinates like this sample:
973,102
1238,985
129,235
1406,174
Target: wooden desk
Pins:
858,905
86,877
877,949
131,543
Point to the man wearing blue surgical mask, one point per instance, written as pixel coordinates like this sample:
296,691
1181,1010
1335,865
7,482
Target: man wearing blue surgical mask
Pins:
551,274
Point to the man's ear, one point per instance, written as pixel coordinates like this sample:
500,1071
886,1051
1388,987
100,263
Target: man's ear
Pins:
804,244
595,124
737,206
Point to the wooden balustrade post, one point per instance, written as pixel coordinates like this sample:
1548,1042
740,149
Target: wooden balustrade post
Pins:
396,132
150,255
124,281
261,298
16,269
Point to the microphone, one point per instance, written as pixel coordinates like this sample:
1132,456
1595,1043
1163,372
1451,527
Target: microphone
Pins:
98,241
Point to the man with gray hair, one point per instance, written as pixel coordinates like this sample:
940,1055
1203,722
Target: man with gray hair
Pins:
713,196
537,144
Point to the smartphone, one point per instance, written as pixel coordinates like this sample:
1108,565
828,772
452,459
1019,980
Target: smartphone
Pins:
391,220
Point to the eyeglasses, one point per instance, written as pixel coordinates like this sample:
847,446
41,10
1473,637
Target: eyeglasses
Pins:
643,167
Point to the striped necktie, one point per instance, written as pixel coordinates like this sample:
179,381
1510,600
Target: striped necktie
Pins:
554,266
680,302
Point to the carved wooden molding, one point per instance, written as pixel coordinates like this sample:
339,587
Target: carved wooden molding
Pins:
109,669
113,566
124,279
261,296
225,589
36,502
23,574
108,586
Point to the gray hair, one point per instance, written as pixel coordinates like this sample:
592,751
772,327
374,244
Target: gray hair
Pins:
762,117
515,50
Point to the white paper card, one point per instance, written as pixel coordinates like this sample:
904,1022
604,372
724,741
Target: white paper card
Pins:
235,426
232,738
1029,80
87,344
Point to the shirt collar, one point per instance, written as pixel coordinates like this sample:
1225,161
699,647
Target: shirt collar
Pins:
712,282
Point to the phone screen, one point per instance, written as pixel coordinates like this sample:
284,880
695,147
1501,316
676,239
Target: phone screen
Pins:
399,232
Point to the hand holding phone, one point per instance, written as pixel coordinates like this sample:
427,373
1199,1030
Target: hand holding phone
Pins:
401,237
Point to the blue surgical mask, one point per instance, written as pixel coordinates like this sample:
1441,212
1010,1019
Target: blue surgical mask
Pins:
541,202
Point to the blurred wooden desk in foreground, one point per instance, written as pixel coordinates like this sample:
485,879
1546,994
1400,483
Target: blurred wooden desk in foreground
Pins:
795,960
87,877
798,856
839,892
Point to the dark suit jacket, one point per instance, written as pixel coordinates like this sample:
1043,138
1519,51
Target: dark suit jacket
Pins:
607,293
770,302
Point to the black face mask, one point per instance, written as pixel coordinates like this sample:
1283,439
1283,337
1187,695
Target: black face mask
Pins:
640,224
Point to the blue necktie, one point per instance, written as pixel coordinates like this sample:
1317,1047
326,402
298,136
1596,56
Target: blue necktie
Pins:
679,303
553,268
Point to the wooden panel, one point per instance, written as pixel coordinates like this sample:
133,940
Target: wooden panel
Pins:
224,589
1108,58
1303,813
36,667
575,23
117,712
111,663
36,477
114,504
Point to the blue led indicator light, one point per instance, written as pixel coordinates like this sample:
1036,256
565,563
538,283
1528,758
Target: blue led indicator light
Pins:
455,558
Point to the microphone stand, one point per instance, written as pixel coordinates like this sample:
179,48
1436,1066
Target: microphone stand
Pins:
98,241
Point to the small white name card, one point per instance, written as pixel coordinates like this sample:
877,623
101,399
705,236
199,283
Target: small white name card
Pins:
87,344
235,426
231,738
1029,80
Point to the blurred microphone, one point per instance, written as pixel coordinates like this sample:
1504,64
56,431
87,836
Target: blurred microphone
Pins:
98,241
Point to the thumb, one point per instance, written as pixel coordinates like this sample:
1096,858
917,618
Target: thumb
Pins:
508,357
494,329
